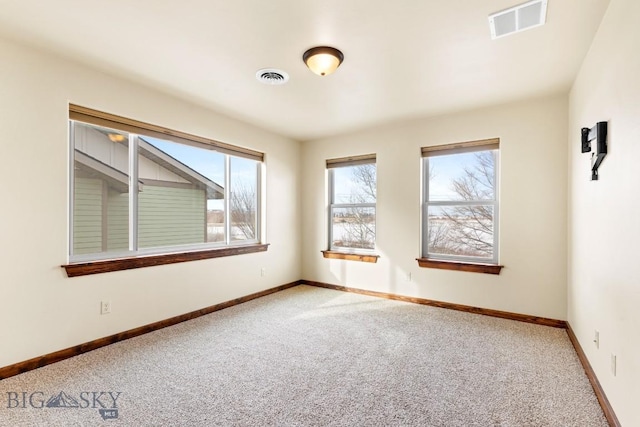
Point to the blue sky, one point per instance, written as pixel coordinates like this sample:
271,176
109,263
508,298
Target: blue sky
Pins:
345,185
211,164
444,170
208,163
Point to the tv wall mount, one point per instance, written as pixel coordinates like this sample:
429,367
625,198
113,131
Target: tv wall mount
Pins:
599,134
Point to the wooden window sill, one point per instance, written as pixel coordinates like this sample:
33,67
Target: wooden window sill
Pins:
104,266
460,266
350,256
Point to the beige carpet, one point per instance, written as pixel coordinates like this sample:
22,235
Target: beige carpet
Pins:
316,357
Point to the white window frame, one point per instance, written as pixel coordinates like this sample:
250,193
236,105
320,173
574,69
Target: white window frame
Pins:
492,145
333,164
136,129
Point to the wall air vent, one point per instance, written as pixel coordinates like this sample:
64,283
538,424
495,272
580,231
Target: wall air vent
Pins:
272,76
518,18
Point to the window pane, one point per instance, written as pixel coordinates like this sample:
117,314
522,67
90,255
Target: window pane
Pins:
100,190
461,230
244,198
464,176
181,200
355,184
353,227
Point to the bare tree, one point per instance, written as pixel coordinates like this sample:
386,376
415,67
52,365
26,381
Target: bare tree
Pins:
468,229
365,177
359,228
243,208
440,237
359,221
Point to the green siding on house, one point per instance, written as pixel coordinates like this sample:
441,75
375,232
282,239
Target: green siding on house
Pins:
170,216
118,221
87,216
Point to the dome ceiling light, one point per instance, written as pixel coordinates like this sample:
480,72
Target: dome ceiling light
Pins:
323,60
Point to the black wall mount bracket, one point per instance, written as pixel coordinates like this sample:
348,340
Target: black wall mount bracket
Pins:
599,133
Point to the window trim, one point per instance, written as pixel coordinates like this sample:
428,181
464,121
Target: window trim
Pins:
352,254
135,257
133,262
460,266
454,262
100,118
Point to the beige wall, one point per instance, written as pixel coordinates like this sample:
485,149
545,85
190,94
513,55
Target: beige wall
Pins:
533,179
604,215
41,310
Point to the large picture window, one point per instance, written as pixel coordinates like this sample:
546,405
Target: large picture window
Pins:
138,191
352,210
460,208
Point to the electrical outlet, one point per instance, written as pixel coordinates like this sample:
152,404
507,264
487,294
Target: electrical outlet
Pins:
263,272
105,307
596,339
613,364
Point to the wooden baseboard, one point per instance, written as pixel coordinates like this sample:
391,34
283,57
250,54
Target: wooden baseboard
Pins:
459,307
47,359
593,379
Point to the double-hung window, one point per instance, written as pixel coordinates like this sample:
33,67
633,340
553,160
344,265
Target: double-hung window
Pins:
139,189
460,202
352,204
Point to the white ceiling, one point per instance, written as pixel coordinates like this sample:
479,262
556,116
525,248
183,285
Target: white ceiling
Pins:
403,58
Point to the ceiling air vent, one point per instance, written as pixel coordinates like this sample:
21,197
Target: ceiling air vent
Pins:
272,76
518,18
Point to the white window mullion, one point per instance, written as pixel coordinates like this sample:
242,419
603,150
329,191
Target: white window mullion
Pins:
133,192
331,227
72,180
425,206
463,202
258,217
227,199
425,229
353,205
331,203
426,176
496,206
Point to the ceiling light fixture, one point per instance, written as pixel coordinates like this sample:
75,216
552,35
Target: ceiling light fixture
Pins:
116,137
323,60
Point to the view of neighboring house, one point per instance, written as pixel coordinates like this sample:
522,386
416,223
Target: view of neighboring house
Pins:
172,197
